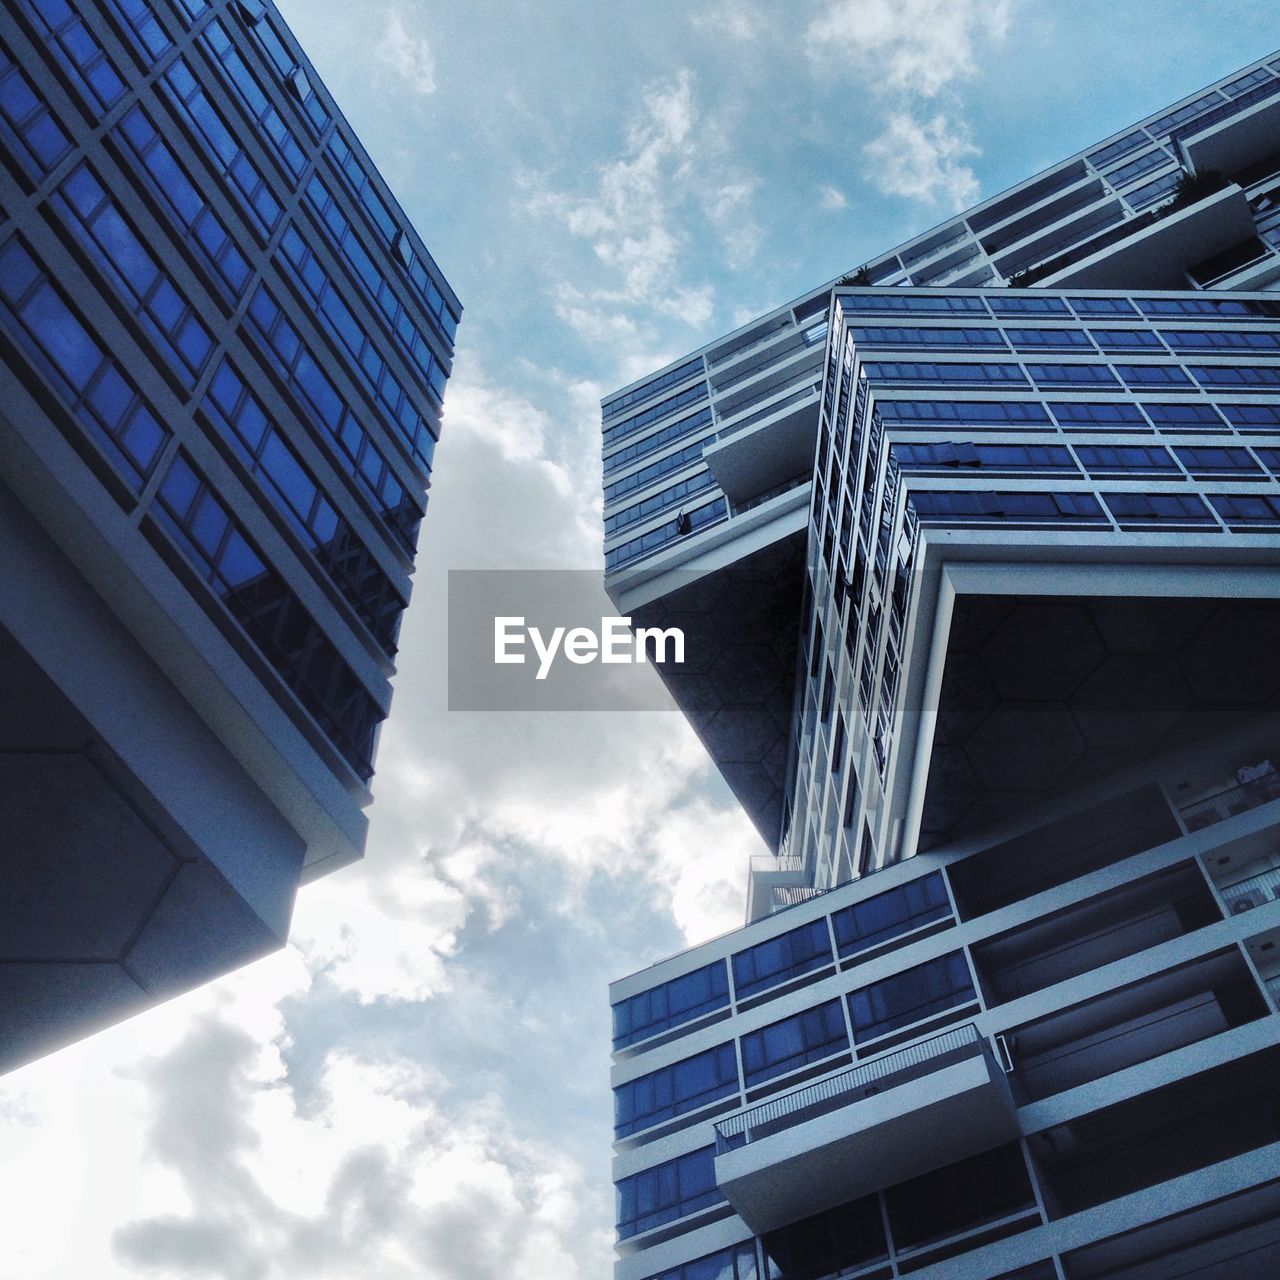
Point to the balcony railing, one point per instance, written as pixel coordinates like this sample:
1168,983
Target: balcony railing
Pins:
735,425
776,491
1256,891
846,1087
1233,800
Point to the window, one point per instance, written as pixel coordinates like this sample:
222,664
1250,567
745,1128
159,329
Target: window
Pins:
268,612
935,506
148,36
1245,377
1126,339
683,525
34,135
1184,417
76,50
293,491
1136,168
1189,112
890,915
1153,375
1134,459
690,369
1197,340
1270,459
1135,509
672,1091
685,457
907,336
167,316
657,502
1089,308
989,413
1253,417
619,430
667,1192
736,1263
200,227
673,1003
1209,308
795,1042
836,1242
94,387
1114,150
910,997
1022,305
1080,415
903,302
877,370
1204,462
1054,339
790,955
1150,192
1248,510
1071,375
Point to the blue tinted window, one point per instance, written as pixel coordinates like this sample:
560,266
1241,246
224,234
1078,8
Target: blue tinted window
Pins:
671,531
1084,415
659,439
919,336
1071,375
1132,509
667,1192
1150,192
911,996
268,612
796,952
793,1043
140,21
1114,150
1104,459
1185,417
904,302
664,466
657,502
1195,340
1204,462
1126,339
1250,417
1058,339
681,1000
736,1263
934,506
917,371
690,369
1088,308
1153,375
675,1090
619,430
1136,168
1023,305
34,136
76,50
1209,308
1247,509
992,413
1244,376
890,915
966,455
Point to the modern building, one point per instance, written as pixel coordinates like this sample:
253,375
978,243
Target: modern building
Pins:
223,351
984,621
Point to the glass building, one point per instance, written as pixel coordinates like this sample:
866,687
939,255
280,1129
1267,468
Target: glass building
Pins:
985,578
223,353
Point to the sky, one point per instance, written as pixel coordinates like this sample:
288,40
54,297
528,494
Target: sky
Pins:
416,1088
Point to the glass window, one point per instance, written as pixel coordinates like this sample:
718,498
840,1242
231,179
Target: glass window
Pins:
690,369
935,506
268,612
794,1042
35,137
77,51
1136,168
1150,192
659,439
140,21
1126,339
667,1192
797,952
1189,112
896,371
1209,308
1106,459
920,336
735,1263
1132,509
1205,462
889,915
673,530
1055,339
1184,417
671,1004
1023,305
619,430
1244,376
657,502
1088,416
1196,340
1153,375
1252,417
1071,375
1089,308
837,1242
1114,150
685,457
990,413
1247,509
672,1091
911,996
902,301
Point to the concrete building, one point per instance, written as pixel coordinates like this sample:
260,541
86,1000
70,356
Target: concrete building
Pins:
223,351
985,617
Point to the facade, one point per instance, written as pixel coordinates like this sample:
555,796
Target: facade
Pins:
223,352
987,619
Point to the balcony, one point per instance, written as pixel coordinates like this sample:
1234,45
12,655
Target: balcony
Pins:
1220,805
1235,135
875,1124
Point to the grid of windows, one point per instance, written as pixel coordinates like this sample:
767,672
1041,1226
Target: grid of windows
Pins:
657,502
890,915
675,1090
683,525
654,471
935,506
790,955
668,1191
659,439
673,404
268,612
1130,459
798,1041
911,996
78,52
139,20
735,1263
993,413
1138,509
671,1004
29,129
690,369
90,382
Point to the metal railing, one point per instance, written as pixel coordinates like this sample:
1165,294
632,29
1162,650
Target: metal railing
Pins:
846,1087
1256,891
1233,800
736,424
763,863
1215,115
775,492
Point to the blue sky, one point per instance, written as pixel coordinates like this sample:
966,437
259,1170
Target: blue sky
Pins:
418,1085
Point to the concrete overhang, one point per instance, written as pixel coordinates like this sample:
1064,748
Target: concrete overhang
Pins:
1236,143
1159,253
768,453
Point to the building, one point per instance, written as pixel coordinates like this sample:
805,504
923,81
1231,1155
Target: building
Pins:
983,580
224,351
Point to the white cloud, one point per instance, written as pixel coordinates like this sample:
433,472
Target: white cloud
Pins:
832,198
924,160
736,20
408,53
914,46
